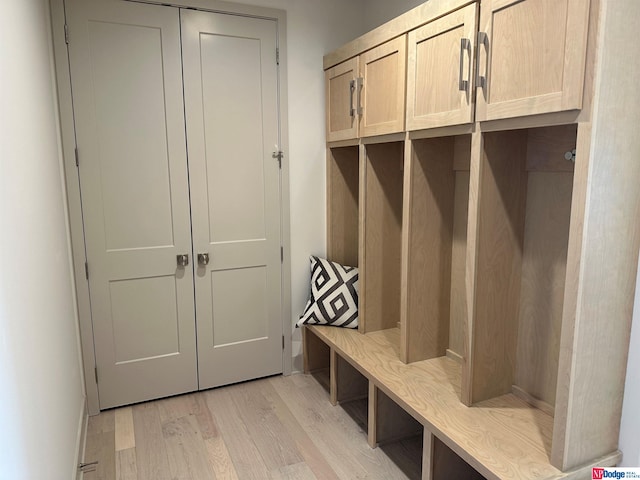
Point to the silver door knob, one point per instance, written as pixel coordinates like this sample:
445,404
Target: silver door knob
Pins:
182,260
203,259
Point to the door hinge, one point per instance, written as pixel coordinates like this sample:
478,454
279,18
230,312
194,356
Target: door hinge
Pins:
86,270
66,34
278,155
277,56
281,254
77,157
95,371
283,342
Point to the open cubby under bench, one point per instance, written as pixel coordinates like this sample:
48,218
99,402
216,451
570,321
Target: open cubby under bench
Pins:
501,438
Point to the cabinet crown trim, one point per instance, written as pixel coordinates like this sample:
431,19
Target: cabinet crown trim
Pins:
414,18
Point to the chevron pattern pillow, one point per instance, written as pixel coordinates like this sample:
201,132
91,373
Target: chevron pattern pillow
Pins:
334,295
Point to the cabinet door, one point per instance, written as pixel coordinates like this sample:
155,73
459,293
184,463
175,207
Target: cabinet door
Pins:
340,88
439,71
532,58
382,97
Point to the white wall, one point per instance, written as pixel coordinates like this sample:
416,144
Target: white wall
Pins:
313,29
378,12
41,392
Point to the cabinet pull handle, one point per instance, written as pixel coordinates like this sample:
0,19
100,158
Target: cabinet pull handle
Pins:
359,85
483,39
203,259
352,87
465,45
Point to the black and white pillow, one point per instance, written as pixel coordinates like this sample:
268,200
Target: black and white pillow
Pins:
334,295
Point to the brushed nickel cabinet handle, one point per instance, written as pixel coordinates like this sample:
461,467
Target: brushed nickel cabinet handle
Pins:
481,80
352,87
465,46
359,86
182,260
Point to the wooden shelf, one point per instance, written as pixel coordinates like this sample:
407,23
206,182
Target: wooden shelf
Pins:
502,438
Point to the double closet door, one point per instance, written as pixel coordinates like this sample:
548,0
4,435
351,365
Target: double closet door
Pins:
176,120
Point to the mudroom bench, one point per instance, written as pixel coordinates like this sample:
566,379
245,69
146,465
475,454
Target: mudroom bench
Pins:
501,438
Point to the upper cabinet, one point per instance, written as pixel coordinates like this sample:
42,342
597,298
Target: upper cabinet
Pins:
440,71
531,57
383,90
456,62
341,86
365,95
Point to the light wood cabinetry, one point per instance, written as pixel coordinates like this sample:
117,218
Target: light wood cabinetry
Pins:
440,71
498,253
365,95
531,57
523,57
341,87
383,91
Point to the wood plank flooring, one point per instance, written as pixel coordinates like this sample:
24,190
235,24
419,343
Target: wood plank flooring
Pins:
274,428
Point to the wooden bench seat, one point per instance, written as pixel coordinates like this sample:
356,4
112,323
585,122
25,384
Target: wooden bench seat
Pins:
502,438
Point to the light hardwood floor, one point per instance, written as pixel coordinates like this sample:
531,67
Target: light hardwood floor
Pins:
274,428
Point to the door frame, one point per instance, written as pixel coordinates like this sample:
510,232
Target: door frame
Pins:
72,182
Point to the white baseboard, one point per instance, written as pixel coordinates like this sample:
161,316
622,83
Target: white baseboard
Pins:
296,353
81,444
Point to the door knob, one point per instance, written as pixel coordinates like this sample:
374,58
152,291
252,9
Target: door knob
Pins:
182,260
203,259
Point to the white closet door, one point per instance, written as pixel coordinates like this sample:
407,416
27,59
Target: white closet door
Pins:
128,104
230,77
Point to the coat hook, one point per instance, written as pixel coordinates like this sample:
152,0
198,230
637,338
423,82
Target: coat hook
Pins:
570,156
